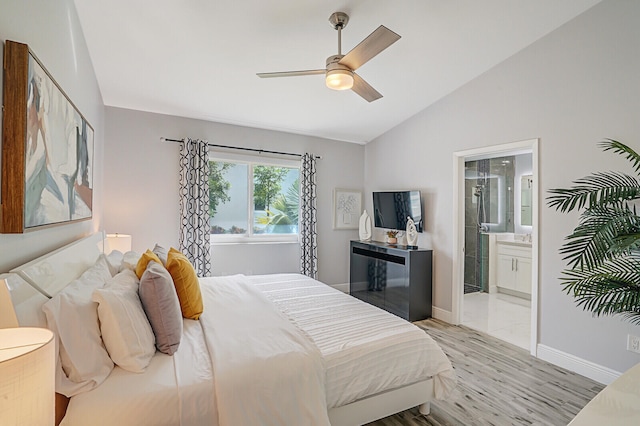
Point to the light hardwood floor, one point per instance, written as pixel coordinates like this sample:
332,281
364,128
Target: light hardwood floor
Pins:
498,384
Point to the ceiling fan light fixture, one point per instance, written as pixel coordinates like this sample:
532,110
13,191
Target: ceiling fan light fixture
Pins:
339,79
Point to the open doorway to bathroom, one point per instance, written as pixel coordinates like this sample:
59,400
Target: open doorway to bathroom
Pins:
497,291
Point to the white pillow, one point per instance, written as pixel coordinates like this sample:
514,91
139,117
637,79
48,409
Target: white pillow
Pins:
83,361
115,261
126,279
126,331
130,260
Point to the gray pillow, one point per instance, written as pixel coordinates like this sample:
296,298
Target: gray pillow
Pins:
160,302
162,254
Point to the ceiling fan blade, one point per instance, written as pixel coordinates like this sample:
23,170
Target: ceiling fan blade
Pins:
363,89
375,43
289,73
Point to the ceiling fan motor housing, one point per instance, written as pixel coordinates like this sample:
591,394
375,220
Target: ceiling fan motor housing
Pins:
333,63
339,77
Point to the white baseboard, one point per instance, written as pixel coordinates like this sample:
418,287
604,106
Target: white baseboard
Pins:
441,314
581,366
342,287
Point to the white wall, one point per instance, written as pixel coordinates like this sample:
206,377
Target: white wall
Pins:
571,89
53,32
141,188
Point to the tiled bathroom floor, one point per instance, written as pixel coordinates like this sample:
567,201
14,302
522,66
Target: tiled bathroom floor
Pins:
506,317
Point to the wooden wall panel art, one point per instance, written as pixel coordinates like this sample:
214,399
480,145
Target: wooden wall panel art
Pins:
47,148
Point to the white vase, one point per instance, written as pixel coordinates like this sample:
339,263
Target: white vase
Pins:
412,232
365,227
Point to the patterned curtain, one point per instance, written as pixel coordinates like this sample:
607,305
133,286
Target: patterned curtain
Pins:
308,235
194,204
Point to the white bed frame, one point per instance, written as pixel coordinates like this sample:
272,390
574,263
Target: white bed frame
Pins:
33,283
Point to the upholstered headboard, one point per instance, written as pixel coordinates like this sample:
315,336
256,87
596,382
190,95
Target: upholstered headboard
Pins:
51,272
32,284
26,300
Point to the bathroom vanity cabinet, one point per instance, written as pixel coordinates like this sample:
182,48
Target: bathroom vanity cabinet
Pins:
514,268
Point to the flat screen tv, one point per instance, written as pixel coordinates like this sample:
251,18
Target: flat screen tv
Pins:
391,208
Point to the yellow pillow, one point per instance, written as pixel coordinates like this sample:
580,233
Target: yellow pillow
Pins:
146,257
187,285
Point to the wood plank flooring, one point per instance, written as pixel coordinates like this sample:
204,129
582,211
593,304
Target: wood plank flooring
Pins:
498,384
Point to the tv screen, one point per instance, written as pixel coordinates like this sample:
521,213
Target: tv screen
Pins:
391,208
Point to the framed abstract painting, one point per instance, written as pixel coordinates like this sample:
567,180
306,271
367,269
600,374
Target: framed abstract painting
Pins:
47,148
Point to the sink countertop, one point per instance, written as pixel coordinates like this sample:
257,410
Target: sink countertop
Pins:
515,243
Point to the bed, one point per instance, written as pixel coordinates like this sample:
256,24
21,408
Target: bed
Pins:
337,360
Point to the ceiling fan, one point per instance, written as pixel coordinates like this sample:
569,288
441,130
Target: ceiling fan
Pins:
340,71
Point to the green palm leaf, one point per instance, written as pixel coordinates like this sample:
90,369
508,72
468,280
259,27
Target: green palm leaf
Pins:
597,189
608,289
620,148
603,232
603,251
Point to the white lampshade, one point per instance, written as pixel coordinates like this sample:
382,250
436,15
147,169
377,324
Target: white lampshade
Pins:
120,242
8,317
27,376
339,79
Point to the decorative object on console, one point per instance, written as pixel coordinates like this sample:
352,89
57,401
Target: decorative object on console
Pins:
412,232
27,361
120,242
365,227
346,206
392,237
47,148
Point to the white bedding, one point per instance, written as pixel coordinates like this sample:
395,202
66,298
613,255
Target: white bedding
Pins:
267,371
174,390
364,351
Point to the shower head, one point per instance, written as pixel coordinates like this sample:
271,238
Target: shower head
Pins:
477,190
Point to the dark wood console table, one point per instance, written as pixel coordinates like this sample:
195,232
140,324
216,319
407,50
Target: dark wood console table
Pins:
392,277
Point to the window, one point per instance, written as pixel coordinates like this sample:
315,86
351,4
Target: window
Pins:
254,201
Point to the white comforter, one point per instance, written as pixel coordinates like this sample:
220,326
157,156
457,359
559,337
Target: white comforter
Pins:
174,390
366,350
362,349
267,371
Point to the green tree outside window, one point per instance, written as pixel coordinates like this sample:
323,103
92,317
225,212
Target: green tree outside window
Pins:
267,184
218,185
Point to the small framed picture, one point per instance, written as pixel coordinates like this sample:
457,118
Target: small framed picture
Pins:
347,208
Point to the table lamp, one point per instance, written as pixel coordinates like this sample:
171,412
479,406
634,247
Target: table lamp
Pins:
27,376
120,242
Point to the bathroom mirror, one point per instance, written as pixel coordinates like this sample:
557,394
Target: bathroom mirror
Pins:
526,188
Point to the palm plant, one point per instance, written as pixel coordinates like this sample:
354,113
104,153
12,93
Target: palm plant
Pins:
603,251
289,204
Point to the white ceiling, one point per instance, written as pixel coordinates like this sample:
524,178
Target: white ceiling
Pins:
199,58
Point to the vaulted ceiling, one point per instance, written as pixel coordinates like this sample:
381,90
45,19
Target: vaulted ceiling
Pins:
199,58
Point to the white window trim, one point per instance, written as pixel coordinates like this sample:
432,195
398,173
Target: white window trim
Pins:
251,161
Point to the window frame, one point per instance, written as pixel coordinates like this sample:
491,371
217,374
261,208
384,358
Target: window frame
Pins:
251,161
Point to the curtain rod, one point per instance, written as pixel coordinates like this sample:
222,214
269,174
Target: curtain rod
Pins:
245,149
